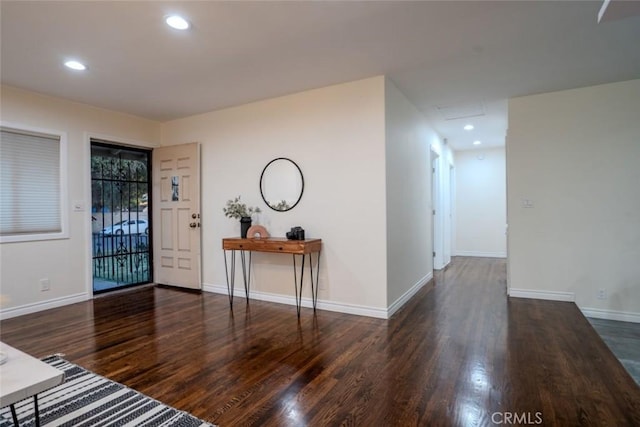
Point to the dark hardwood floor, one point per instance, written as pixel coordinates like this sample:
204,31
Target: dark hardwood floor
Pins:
459,353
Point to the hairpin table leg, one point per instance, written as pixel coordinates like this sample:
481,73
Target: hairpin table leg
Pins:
314,283
295,280
230,280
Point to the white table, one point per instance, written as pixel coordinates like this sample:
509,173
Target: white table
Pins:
23,376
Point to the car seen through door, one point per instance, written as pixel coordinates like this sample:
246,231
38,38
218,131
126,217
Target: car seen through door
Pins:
132,226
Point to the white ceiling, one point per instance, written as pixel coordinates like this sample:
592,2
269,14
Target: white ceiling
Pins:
455,58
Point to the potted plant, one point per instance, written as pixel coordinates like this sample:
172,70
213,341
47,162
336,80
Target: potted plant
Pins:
238,210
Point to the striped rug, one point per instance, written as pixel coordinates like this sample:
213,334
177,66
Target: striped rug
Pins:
87,399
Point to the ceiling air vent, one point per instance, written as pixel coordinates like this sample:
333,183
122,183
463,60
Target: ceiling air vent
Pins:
455,112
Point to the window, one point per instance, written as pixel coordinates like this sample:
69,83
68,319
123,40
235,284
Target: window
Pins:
32,184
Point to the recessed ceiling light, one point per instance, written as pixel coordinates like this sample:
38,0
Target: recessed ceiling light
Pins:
468,127
477,142
75,65
177,22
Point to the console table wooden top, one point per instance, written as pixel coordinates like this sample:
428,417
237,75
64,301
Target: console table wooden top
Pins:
273,244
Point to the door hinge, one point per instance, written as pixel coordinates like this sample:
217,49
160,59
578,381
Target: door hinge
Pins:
434,211
434,254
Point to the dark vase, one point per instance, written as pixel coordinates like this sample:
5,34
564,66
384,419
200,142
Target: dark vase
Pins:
245,223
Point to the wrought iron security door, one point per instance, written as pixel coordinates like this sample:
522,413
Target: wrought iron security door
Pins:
120,216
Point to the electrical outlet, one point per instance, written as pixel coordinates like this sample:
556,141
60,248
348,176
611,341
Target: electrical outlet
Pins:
45,285
602,294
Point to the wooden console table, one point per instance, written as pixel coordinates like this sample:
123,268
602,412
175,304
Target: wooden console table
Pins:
273,245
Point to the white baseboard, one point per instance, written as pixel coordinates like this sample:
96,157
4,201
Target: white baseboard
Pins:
397,304
547,295
8,313
622,316
481,254
359,310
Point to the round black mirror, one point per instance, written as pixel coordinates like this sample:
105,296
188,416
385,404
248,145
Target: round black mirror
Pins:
281,184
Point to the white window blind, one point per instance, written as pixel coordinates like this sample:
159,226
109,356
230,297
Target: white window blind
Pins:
30,190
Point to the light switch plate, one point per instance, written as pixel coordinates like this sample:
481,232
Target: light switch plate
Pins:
526,203
78,206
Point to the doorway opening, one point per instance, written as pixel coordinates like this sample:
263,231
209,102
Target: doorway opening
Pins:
120,216
436,212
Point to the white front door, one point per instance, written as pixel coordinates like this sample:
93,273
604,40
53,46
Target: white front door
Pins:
176,215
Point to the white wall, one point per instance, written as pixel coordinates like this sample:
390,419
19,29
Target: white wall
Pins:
576,155
408,187
356,143
66,262
481,199
336,135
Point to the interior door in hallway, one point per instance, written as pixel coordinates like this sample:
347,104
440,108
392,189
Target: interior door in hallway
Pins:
436,211
176,215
